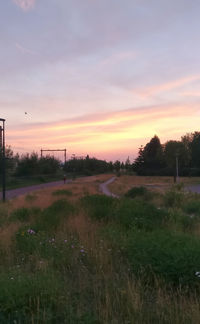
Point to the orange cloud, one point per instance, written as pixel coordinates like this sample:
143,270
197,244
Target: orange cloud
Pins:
105,134
25,4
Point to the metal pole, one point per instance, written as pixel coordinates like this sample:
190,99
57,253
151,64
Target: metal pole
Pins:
177,168
65,156
3,151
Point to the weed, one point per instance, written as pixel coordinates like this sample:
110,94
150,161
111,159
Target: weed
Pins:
139,192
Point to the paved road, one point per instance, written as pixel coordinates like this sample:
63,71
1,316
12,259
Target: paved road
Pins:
103,187
23,191
193,188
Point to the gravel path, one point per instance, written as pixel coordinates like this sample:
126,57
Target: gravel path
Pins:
103,187
23,191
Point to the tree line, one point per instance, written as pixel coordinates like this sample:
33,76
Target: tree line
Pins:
33,165
153,159
163,159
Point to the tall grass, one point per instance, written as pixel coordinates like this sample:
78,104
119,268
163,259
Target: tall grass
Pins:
101,260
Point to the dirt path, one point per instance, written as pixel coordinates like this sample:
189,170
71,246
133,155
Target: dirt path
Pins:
103,187
25,190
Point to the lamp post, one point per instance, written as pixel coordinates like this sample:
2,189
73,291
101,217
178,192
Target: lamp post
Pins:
3,157
177,169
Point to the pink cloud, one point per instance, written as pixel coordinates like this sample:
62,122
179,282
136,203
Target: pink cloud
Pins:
25,4
24,50
167,86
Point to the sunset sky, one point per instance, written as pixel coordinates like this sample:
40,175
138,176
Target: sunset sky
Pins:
98,77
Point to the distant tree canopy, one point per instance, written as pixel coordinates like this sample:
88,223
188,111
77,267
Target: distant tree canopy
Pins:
10,160
150,158
87,165
157,159
31,164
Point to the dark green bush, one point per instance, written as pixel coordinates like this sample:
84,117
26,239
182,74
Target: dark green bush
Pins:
21,214
174,198
51,217
138,192
174,257
99,207
192,207
139,214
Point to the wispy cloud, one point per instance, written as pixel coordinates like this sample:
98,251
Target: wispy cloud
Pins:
116,58
25,4
25,50
163,87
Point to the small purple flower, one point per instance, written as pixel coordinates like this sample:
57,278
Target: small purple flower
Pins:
65,241
72,246
30,231
82,251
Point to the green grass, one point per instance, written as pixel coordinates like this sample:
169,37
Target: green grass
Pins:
174,257
102,260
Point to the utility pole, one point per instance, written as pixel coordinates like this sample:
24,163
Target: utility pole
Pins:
56,150
177,175
3,158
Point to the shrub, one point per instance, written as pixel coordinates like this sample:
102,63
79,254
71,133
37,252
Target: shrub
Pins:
21,214
138,192
174,257
99,207
174,198
192,207
51,217
181,220
139,214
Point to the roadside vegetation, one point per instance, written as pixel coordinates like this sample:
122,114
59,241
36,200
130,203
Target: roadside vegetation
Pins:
71,255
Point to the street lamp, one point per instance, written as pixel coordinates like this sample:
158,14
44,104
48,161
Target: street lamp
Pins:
177,168
3,157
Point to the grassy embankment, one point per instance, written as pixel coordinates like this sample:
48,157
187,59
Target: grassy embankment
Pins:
70,255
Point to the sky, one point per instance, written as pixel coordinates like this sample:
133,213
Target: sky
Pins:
98,77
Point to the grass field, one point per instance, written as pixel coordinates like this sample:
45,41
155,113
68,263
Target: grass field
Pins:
72,255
